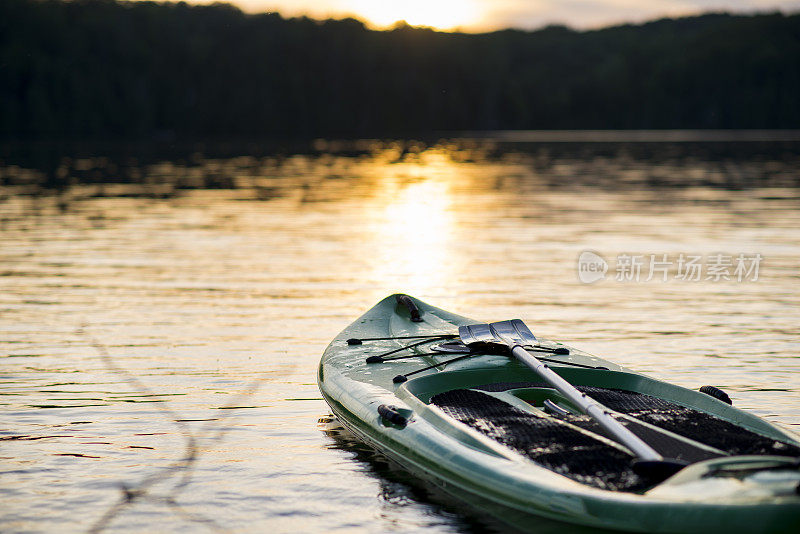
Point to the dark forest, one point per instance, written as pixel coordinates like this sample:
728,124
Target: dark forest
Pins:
90,69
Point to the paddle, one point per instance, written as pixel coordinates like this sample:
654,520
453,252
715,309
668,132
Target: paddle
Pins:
514,334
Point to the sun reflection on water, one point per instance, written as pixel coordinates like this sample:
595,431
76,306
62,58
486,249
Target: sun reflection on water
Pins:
415,228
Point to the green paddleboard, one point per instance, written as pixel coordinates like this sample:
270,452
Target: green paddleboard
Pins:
491,432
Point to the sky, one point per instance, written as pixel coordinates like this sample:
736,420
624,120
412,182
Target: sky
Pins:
485,15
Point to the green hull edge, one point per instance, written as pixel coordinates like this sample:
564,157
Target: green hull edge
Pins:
484,473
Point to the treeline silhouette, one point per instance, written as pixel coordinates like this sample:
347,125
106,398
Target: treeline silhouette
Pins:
101,69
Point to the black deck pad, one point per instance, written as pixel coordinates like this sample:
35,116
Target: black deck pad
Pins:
545,440
666,445
690,423
571,453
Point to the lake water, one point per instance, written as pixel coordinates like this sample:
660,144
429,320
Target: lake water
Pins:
162,315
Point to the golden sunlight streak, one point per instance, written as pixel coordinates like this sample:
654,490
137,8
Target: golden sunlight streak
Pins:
438,14
416,227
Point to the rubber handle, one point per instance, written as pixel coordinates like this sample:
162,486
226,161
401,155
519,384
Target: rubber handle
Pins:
411,306
391,414
555,409
716,393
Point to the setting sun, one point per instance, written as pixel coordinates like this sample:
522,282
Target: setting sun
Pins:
441,14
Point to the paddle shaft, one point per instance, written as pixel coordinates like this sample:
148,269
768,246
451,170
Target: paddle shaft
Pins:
590,407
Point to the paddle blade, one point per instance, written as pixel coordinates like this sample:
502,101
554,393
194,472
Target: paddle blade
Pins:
475,333
480,338
514,331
